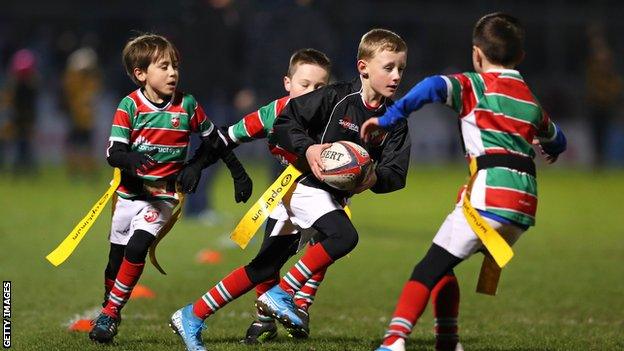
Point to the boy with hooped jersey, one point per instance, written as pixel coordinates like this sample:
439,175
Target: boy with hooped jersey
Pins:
148,142
308,70
500,120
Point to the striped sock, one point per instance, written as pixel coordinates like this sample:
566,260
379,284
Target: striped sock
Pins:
313,261
234,285
261,289
445,299
304,298
410,307
108,286
127,277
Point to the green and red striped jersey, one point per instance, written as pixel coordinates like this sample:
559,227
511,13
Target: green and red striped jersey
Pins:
499,114
145,127
258,124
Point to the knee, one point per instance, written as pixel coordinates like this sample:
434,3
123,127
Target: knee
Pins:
436,263
138,245
259,273
342,242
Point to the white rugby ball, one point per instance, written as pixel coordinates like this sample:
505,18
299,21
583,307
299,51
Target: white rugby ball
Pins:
345,165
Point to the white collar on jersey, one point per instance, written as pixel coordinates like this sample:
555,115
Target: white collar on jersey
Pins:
150,104
502,70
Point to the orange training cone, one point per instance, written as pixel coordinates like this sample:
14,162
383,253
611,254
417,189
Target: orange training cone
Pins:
142,292
208,256
81,325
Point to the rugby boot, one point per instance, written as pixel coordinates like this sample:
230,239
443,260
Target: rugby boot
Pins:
260,332
398,345
304,331
278,304
104,328
189,327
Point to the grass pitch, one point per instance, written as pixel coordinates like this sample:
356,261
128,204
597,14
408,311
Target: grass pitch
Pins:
562,291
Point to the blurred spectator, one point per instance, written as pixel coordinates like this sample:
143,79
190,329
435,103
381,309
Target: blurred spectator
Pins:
81,86
22,90
604,89
211,67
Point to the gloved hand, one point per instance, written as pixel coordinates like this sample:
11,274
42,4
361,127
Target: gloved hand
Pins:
243,187
139,161
189,177
552,149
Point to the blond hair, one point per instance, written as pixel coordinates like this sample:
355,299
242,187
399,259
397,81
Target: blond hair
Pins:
377,40
140,51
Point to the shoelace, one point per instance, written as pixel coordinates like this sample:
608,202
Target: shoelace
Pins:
104,321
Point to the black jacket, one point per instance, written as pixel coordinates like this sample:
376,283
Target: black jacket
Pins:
335,113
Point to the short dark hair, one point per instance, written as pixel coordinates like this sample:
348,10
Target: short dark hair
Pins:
501,38
144,49
309,56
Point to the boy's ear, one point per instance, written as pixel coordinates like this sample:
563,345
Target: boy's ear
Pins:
362,67
287,83
139,74
477,56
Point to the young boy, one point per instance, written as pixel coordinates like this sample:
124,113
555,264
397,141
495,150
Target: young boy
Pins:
500,118
149,140
308,70
310,124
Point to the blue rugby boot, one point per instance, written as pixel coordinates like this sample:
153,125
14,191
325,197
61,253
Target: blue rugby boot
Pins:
278,304
189,327
303,331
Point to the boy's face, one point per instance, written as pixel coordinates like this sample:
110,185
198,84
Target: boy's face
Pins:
306,78
384,71
160,78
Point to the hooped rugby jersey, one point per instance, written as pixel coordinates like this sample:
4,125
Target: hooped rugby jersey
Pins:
145,127
499,115
258,124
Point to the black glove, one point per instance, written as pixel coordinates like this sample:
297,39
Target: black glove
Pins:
189,177
243,186
139,161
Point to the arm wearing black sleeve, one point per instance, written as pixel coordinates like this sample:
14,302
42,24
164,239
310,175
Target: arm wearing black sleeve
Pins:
119,155
393,162
291,129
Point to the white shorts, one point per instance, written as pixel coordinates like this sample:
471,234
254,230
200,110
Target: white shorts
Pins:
307,204
131,215
456,236
284,226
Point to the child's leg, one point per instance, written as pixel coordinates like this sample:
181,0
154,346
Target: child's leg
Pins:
445,300
275,227
416,292
115,256
266,264
129,272
304,298
341,238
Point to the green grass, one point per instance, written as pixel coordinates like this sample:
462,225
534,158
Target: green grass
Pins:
562,291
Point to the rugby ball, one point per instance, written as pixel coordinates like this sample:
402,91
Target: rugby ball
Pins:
345,165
